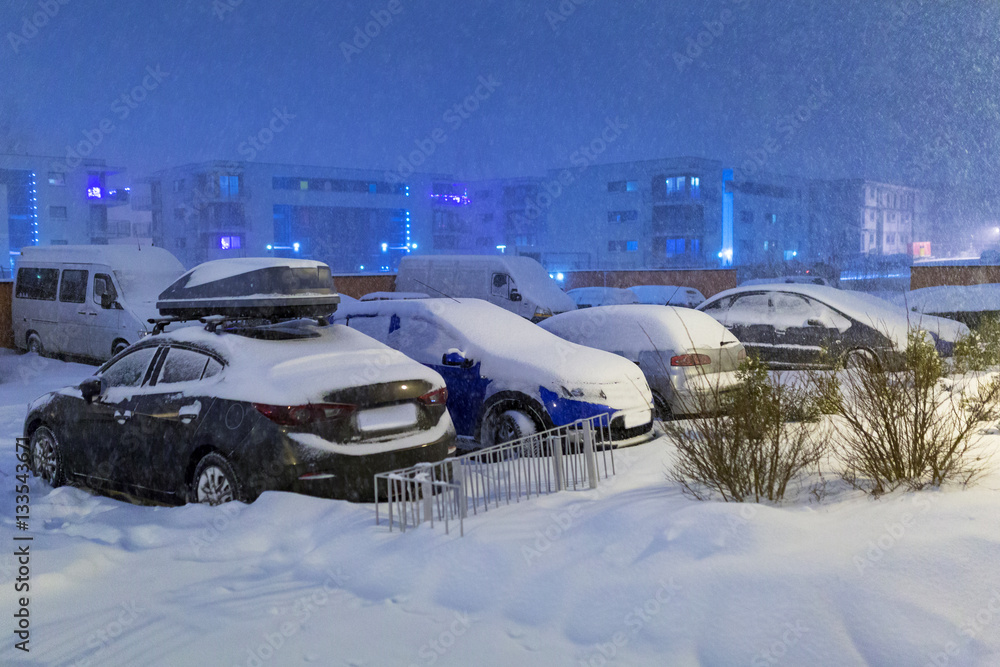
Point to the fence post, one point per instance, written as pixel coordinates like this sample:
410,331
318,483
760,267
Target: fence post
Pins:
588,452
426,491
458,477
557,462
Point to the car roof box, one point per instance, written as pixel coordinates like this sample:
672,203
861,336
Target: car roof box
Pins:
252,288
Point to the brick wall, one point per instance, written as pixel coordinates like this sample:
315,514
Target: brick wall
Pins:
706,281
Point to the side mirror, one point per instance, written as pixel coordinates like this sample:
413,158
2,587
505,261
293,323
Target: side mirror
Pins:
515,295
90,388
814,323
455,358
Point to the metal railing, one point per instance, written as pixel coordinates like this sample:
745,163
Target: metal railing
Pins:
574,456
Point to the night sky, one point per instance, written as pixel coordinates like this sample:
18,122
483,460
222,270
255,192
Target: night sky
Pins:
903,90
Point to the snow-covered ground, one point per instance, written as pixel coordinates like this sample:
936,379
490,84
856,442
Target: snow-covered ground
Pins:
633,573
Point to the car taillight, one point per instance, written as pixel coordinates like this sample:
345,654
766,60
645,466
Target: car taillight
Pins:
293,415
690,360
436,397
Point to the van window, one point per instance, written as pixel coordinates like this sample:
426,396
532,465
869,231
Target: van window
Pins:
37,284
103,284
500,287
73,288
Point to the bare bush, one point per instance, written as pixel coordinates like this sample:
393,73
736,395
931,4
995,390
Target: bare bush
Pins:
915,427
762,438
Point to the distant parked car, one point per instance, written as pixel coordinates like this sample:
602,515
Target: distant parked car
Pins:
388,296
793,280
87,301
797,326
688,358
515,283
507,377
589,297
668,295
231,410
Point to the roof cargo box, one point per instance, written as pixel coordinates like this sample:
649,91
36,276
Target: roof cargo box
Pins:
252,287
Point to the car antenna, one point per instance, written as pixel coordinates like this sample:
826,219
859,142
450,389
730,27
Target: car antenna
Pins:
437,290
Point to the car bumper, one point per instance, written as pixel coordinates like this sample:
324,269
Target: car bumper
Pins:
348,477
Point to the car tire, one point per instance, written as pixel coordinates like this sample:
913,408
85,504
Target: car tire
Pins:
46,456
215,482
662,408
118,346
34,343
860,358
508,425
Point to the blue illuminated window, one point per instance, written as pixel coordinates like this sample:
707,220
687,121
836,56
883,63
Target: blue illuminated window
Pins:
695,187
632,246
230,242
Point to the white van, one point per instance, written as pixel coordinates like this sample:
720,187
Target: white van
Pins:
88,301
518,284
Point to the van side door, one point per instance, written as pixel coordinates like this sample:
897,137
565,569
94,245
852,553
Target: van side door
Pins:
76,316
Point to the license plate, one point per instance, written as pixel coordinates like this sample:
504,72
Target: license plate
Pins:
389,418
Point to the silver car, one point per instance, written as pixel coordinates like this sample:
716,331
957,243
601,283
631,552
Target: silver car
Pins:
688,358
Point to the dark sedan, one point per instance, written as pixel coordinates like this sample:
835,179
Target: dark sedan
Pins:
798,326
195,416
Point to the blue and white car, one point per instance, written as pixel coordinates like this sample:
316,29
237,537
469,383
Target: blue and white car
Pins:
507,377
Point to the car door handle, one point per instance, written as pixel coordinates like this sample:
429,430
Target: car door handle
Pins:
81,312
122,417
189,413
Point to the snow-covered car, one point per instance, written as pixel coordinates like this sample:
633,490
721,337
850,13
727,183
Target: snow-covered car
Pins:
668,295
388,296
589,297
507,377
796,325
808,279
195,416
689,359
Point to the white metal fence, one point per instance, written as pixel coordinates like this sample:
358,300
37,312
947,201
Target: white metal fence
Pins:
574,456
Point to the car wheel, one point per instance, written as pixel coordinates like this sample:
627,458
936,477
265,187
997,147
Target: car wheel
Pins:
35,344
507,426
661,407
118,346
46,459
215,482
860,358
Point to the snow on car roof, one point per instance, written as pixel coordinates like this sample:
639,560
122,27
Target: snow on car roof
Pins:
633,328
220,269
302,370
122,257
500,338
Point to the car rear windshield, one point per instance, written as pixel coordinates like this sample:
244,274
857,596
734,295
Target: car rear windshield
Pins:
273,333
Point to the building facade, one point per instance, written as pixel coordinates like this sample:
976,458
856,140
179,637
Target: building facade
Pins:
45,202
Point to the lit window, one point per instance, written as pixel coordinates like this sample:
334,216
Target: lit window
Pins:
303,185
230,242
675,184
57,178
695,187
632,246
